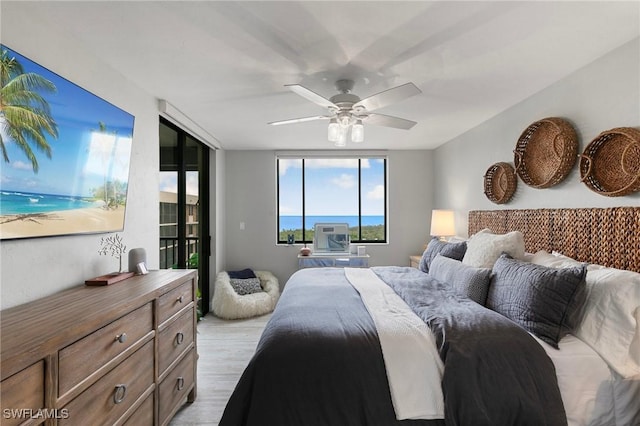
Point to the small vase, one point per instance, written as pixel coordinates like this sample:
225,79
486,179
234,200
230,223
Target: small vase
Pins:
305,251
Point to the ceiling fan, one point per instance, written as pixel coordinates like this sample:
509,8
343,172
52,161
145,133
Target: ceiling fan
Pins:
347,111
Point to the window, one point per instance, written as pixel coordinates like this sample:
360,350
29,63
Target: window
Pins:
344,189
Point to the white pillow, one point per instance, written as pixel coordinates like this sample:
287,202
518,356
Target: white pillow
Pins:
484,248
611,318
558,260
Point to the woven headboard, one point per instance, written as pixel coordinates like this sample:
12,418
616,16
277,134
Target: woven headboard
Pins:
606,236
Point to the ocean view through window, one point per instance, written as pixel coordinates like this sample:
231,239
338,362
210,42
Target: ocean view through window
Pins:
332,190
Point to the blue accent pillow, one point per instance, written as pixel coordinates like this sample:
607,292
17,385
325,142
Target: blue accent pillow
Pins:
243,274
451,250
546,301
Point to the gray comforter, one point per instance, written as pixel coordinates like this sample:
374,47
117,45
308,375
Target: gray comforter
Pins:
319,360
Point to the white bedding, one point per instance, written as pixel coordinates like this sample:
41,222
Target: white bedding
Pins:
405,341
593,394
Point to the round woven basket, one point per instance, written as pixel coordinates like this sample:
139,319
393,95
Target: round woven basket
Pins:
500,183
610,164
546,152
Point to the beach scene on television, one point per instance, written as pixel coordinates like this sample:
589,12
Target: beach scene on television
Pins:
65,154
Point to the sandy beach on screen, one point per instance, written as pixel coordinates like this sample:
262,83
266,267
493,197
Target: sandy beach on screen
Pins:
87,220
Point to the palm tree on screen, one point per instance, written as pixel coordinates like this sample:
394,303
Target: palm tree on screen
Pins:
25,116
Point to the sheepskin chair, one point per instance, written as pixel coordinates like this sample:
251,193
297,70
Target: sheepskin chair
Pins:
228,304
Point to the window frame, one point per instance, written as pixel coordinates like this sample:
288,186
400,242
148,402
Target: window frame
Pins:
342,155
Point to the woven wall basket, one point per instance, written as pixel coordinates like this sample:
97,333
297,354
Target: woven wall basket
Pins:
500,183
546,152
610,164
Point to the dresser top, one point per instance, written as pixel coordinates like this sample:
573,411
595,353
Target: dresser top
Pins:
58,320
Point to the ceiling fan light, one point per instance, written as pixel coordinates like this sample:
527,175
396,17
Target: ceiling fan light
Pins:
357,132
342,137
334,130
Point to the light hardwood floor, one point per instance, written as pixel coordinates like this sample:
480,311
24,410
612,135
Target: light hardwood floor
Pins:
225,348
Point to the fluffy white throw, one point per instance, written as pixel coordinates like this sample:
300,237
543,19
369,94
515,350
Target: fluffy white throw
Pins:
414,368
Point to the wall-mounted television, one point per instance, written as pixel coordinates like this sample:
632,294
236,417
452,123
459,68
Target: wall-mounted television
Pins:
65,155
331,238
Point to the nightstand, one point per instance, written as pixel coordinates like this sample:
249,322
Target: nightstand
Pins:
414,261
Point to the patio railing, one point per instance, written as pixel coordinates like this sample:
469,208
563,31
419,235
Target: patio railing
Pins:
169,251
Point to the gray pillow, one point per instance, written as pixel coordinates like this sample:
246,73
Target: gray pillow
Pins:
245,286
466,280
546,301
452,250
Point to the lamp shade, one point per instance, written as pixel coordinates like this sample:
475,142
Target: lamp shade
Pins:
442,223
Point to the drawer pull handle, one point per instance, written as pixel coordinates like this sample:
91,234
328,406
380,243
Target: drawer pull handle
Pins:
120,393
180,299
180,383
179,338
121,337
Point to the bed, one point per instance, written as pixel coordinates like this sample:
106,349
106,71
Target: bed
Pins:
328,356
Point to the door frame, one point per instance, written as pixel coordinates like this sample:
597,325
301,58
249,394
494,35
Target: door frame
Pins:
204,225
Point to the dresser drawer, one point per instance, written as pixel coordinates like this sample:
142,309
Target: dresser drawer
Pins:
79,360
175,386
143,415
174,339
171,302
110,397
24,390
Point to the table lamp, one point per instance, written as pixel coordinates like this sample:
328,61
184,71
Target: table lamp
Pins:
442,224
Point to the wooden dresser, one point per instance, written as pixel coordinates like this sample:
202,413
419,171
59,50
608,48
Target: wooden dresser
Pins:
121,354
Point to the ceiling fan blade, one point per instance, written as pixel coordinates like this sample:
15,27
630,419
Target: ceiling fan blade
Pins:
389,121
388,97
300,120
311,95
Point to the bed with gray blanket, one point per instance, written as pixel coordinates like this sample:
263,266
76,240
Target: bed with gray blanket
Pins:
518,350
319,360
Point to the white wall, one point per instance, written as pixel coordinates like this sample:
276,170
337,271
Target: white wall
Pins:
251,198
34,268
603,95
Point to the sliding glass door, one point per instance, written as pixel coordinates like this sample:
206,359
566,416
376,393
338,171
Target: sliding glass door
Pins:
184,205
